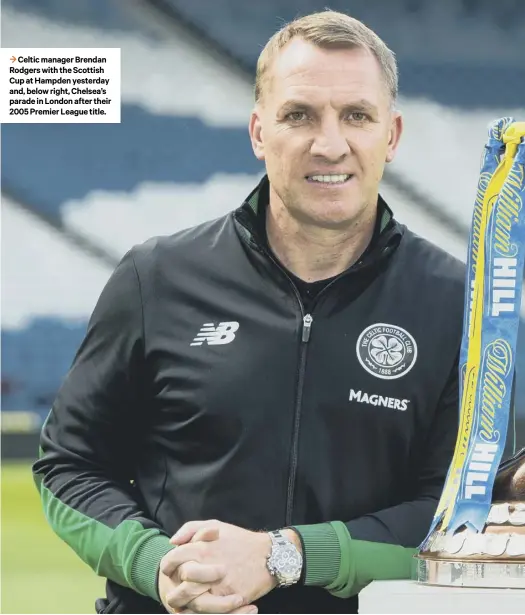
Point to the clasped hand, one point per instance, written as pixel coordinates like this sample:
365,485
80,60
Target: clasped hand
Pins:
216,568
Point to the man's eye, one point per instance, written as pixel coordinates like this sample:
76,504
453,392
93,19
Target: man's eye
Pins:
297,116
358,116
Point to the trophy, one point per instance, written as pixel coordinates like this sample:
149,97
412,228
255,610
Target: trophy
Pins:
477,537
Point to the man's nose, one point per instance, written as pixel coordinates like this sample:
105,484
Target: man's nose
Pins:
330,143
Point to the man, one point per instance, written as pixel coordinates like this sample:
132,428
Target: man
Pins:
290,367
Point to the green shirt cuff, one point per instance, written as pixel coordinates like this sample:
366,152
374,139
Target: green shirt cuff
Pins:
145,567
322,553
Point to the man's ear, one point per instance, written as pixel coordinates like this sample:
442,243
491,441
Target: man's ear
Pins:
394,135
256,133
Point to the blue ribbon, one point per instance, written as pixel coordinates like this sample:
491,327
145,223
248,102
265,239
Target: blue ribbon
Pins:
505,255
504,239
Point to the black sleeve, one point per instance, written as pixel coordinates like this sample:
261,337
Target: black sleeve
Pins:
85,469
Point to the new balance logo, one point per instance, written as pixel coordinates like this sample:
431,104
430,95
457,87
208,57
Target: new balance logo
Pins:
224,333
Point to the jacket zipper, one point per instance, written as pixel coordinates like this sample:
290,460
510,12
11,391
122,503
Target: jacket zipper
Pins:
307,326
305,336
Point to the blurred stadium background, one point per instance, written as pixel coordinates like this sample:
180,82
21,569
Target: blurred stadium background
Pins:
75,198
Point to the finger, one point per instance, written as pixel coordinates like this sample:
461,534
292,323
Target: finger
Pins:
194,572
174,558
209,603
185,533
206,534
180,597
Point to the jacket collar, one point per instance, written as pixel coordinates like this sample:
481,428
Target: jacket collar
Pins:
252,216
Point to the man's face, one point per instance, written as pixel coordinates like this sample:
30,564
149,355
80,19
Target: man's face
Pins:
325,112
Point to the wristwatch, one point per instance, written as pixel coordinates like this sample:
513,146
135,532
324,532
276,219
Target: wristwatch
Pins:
285,562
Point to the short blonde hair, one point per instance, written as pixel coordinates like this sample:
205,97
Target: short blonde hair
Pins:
329,30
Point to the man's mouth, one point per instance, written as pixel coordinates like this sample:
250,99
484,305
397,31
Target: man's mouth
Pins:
329,179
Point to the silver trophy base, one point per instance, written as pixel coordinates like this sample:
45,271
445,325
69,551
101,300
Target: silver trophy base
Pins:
471,574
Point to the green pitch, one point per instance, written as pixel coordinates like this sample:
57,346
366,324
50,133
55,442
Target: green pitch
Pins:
40,573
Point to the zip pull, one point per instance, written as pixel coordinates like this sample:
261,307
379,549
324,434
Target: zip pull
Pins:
307,327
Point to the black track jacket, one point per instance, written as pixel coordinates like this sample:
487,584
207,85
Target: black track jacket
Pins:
203,390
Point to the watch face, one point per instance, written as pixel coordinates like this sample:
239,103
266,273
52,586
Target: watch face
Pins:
287,561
